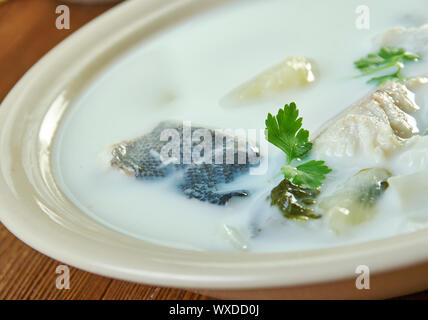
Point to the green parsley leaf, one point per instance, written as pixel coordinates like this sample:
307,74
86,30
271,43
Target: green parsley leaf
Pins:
391,52
284,131
386,58
384,79
307,175
370,62
296,193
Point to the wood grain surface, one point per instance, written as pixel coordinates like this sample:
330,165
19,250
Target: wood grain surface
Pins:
27,32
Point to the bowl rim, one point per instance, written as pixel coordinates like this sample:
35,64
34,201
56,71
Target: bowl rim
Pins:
153,264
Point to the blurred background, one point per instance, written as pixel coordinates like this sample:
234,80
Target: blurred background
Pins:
27,32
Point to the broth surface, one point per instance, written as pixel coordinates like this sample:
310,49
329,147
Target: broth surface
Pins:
182,74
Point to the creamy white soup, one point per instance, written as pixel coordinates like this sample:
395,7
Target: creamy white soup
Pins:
194,72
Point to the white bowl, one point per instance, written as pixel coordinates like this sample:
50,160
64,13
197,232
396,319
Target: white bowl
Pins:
36,211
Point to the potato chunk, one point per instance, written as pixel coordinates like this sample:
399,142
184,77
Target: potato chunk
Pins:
355,202
293,72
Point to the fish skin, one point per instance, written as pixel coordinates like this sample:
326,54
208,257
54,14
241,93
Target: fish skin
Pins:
201,180
140,157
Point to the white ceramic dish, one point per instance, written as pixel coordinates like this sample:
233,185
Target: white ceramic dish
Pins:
36,211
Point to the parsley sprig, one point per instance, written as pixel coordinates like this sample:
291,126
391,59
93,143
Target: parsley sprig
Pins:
285,132
386,58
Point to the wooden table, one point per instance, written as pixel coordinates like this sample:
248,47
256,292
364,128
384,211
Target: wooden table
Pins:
27,32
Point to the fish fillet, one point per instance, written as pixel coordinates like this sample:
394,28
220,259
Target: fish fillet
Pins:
375,126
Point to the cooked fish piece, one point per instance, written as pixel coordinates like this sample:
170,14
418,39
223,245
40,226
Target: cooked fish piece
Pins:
141,157
202,181
375,126
413,39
